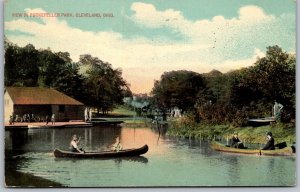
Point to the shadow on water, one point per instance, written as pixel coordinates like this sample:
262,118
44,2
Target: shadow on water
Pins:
139,159
14,178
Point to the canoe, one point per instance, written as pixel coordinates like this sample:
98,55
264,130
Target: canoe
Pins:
103,154
287,151
261,121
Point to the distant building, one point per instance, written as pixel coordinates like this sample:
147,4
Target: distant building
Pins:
41,102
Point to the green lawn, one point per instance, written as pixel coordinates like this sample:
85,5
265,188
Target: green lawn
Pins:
121,110
281,132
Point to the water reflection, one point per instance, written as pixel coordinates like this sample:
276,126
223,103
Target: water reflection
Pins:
233,170
17,139
170,161
119,160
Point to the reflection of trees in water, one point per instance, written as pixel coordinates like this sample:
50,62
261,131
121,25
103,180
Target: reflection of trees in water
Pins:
202,145
271,164
233,170
48,139
104,137
160,129
17,139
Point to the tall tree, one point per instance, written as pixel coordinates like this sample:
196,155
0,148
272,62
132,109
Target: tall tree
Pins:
178,89
105,85
21,68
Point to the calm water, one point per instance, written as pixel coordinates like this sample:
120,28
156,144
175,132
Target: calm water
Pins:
169,161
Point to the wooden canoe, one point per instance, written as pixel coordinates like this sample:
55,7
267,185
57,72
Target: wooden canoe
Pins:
287,151
102,154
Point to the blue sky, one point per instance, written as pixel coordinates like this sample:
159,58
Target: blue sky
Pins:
146,38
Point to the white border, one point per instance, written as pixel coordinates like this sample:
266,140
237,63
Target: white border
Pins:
209,189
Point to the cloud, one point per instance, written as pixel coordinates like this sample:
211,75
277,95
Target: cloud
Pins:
225,39
253,13
218,43
148,16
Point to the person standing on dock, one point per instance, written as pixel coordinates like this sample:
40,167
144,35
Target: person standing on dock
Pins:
47,119
53,119
11,119
90,114
277,110
86,115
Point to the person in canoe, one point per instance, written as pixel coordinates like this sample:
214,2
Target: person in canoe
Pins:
74,145
117,146
235,141
270,143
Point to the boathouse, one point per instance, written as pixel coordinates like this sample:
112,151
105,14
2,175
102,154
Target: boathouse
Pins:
41,102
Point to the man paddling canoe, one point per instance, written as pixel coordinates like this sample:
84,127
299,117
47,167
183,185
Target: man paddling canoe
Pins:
270,144
74,145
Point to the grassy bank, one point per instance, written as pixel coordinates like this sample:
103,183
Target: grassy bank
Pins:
281,132
185,127
129,117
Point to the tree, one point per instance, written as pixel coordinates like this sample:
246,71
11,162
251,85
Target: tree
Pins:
70,82
21,68
177,88
51,64
271,78
104,84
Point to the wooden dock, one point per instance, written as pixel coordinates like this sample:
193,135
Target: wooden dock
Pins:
43,125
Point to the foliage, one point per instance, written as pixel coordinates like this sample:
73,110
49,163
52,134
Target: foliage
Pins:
21,68
105,85
177,89
100,85
232,97
213,97
271,78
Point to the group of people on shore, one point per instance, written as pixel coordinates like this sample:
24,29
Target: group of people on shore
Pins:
30,118
270,145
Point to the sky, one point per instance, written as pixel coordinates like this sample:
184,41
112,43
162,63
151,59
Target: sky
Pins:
147,38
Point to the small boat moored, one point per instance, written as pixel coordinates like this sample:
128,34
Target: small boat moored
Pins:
103,154
261,121
287,151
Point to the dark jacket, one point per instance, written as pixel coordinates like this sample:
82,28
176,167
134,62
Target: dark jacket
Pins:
269,145
235,141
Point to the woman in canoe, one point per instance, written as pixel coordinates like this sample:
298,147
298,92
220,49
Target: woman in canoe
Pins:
235,141
117,146
74,145
270,144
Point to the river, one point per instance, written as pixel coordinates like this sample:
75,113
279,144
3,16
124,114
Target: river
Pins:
169,162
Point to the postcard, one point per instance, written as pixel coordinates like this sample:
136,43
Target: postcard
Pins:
138,93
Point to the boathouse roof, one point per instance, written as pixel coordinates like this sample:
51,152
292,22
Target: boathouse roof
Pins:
39,96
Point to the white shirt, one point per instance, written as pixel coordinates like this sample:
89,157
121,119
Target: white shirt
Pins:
74,144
